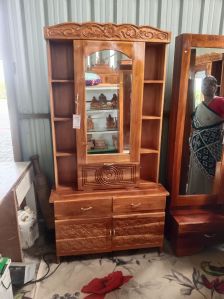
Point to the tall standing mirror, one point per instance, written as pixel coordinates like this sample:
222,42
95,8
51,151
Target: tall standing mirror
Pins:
203,127
197,115
195,160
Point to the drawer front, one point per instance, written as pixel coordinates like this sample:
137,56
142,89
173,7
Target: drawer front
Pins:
138,204
81,236
109,176
138,231
82,246
82,208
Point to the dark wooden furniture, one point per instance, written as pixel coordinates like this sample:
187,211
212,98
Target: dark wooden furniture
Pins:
194,220
107,197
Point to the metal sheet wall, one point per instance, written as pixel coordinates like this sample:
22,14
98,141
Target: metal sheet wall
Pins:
26,19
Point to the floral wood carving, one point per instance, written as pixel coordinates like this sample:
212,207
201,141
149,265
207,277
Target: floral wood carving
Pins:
108,31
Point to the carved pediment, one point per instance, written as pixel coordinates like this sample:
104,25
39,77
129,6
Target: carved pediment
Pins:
106,31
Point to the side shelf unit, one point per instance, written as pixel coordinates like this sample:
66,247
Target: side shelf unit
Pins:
62,102
153,98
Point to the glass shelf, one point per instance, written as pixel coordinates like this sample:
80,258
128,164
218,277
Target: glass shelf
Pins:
102,131
101,110
107,150
103,87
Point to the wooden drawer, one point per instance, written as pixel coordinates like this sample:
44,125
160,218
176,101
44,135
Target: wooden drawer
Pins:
138,231
189,244
83,208
136,204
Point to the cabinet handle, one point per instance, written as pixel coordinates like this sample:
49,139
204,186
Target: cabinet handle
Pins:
135,205
114,232
86,209
108,164
110,232
209,236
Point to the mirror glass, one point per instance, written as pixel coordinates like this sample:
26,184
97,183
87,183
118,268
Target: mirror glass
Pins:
108,82
203,137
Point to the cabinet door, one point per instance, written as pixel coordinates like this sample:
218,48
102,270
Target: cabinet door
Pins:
138,231
109,88
83,236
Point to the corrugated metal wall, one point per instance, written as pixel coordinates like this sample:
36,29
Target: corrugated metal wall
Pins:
26,19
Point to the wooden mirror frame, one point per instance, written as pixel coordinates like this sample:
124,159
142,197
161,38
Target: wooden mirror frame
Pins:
182,60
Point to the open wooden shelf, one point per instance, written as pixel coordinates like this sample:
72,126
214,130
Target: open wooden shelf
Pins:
63,95
149,167
62,118
62,81
154,81
67,171
64,154
154,62
152,100
145,117
148,151
65,136
150,134
62,62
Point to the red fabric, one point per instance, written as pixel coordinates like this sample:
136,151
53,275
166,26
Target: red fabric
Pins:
217,105
98,287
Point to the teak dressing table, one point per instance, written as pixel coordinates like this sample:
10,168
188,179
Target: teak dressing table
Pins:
107,195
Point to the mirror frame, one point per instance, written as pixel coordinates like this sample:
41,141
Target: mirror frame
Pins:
182,60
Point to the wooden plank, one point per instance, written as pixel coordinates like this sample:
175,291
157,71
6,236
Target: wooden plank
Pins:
9,232
136,101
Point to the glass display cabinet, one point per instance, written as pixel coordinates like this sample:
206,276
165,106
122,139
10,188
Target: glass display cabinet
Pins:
106,94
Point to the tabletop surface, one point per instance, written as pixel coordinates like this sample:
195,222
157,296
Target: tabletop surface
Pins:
10,173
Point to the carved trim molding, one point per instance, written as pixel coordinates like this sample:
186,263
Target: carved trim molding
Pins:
107,31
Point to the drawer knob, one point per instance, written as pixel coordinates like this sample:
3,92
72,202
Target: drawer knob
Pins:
86,209
209,236
135,205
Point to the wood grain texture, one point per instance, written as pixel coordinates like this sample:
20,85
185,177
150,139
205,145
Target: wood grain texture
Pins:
134,204
107,31
109,176
138,230
191,232
10,244
82,246
83,208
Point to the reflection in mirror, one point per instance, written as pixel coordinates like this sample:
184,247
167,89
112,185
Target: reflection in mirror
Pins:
203,131
108,77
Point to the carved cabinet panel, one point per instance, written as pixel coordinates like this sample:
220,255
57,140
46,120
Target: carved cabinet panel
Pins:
138,230
109,175
82,236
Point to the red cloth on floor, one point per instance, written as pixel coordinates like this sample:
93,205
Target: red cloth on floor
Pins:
98,287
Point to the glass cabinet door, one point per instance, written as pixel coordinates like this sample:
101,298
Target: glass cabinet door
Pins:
108,94
108,102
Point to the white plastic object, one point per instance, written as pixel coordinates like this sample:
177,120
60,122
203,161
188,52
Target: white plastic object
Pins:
6,284
28,227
